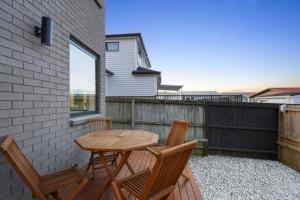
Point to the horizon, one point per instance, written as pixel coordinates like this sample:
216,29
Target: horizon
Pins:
224,46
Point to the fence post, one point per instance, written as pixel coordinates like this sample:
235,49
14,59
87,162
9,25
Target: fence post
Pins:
132,113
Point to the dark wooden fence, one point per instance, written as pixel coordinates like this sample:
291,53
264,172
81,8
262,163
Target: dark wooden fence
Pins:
248,128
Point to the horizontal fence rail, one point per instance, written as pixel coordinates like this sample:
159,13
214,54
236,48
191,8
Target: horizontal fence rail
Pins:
202,98
231,126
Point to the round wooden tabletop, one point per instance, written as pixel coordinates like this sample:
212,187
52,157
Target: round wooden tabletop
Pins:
117,140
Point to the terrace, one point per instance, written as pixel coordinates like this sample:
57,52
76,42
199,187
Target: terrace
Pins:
47,100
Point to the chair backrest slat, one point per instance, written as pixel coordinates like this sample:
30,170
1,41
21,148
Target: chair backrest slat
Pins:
100,124
178,132
21,164
168,168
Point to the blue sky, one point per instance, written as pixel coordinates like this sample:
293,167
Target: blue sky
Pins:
223,45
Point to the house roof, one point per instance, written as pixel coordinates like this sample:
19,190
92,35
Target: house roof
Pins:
170,87
109,72
138,35
142,70
278,92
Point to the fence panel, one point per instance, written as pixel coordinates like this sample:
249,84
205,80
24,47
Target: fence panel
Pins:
289,136
243,127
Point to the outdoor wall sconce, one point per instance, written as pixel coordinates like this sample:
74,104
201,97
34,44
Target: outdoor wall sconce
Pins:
45,32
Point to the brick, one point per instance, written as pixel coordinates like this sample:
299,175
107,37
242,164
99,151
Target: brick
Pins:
35,111
24,135
10,96
10,27
48,97
30,81
40,62
10,10
5,34
22,57
11,113
21,40
11,44
49,72
62,98
5,87
48,85
5,122
6,16
5,69
32,97
11,130
40,76
32,141
41,90
22,120
49,110
41,118
11,79
41,104
22,104
22,88
5,51
41,131
32,126
32,67
22,72
5,105
22,9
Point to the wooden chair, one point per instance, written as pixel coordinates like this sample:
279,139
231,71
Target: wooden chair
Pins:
96,125
42,187
159,182
176,136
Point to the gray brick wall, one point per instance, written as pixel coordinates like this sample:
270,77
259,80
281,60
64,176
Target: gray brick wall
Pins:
34,83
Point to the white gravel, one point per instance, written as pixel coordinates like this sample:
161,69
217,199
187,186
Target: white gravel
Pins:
224,177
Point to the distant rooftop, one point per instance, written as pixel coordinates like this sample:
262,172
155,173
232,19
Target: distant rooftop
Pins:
170,87
290,91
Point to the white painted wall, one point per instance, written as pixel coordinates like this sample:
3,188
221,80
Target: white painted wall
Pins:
277,99
122,63
296,99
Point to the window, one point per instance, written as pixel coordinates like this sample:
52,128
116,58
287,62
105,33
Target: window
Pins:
112,46
139,58
82,80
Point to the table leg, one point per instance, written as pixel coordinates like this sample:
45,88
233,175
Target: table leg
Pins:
113,174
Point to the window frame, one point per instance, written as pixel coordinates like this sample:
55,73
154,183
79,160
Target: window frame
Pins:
106,47
83,47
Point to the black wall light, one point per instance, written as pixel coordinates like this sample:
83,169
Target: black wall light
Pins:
45,32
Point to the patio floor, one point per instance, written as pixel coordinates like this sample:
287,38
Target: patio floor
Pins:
140,160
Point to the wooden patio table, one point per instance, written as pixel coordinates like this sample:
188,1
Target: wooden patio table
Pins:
123,141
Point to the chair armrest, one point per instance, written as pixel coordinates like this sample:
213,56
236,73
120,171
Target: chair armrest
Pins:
152,151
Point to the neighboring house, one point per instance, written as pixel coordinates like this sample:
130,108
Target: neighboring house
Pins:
277,95
48,92
128,67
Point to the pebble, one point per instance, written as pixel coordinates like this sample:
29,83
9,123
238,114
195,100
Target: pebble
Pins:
233,178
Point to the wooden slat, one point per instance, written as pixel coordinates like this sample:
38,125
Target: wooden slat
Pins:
139,160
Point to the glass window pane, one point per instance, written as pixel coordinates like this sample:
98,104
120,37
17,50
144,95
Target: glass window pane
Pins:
112,46
82,80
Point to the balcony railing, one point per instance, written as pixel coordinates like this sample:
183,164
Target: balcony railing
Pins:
202,98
